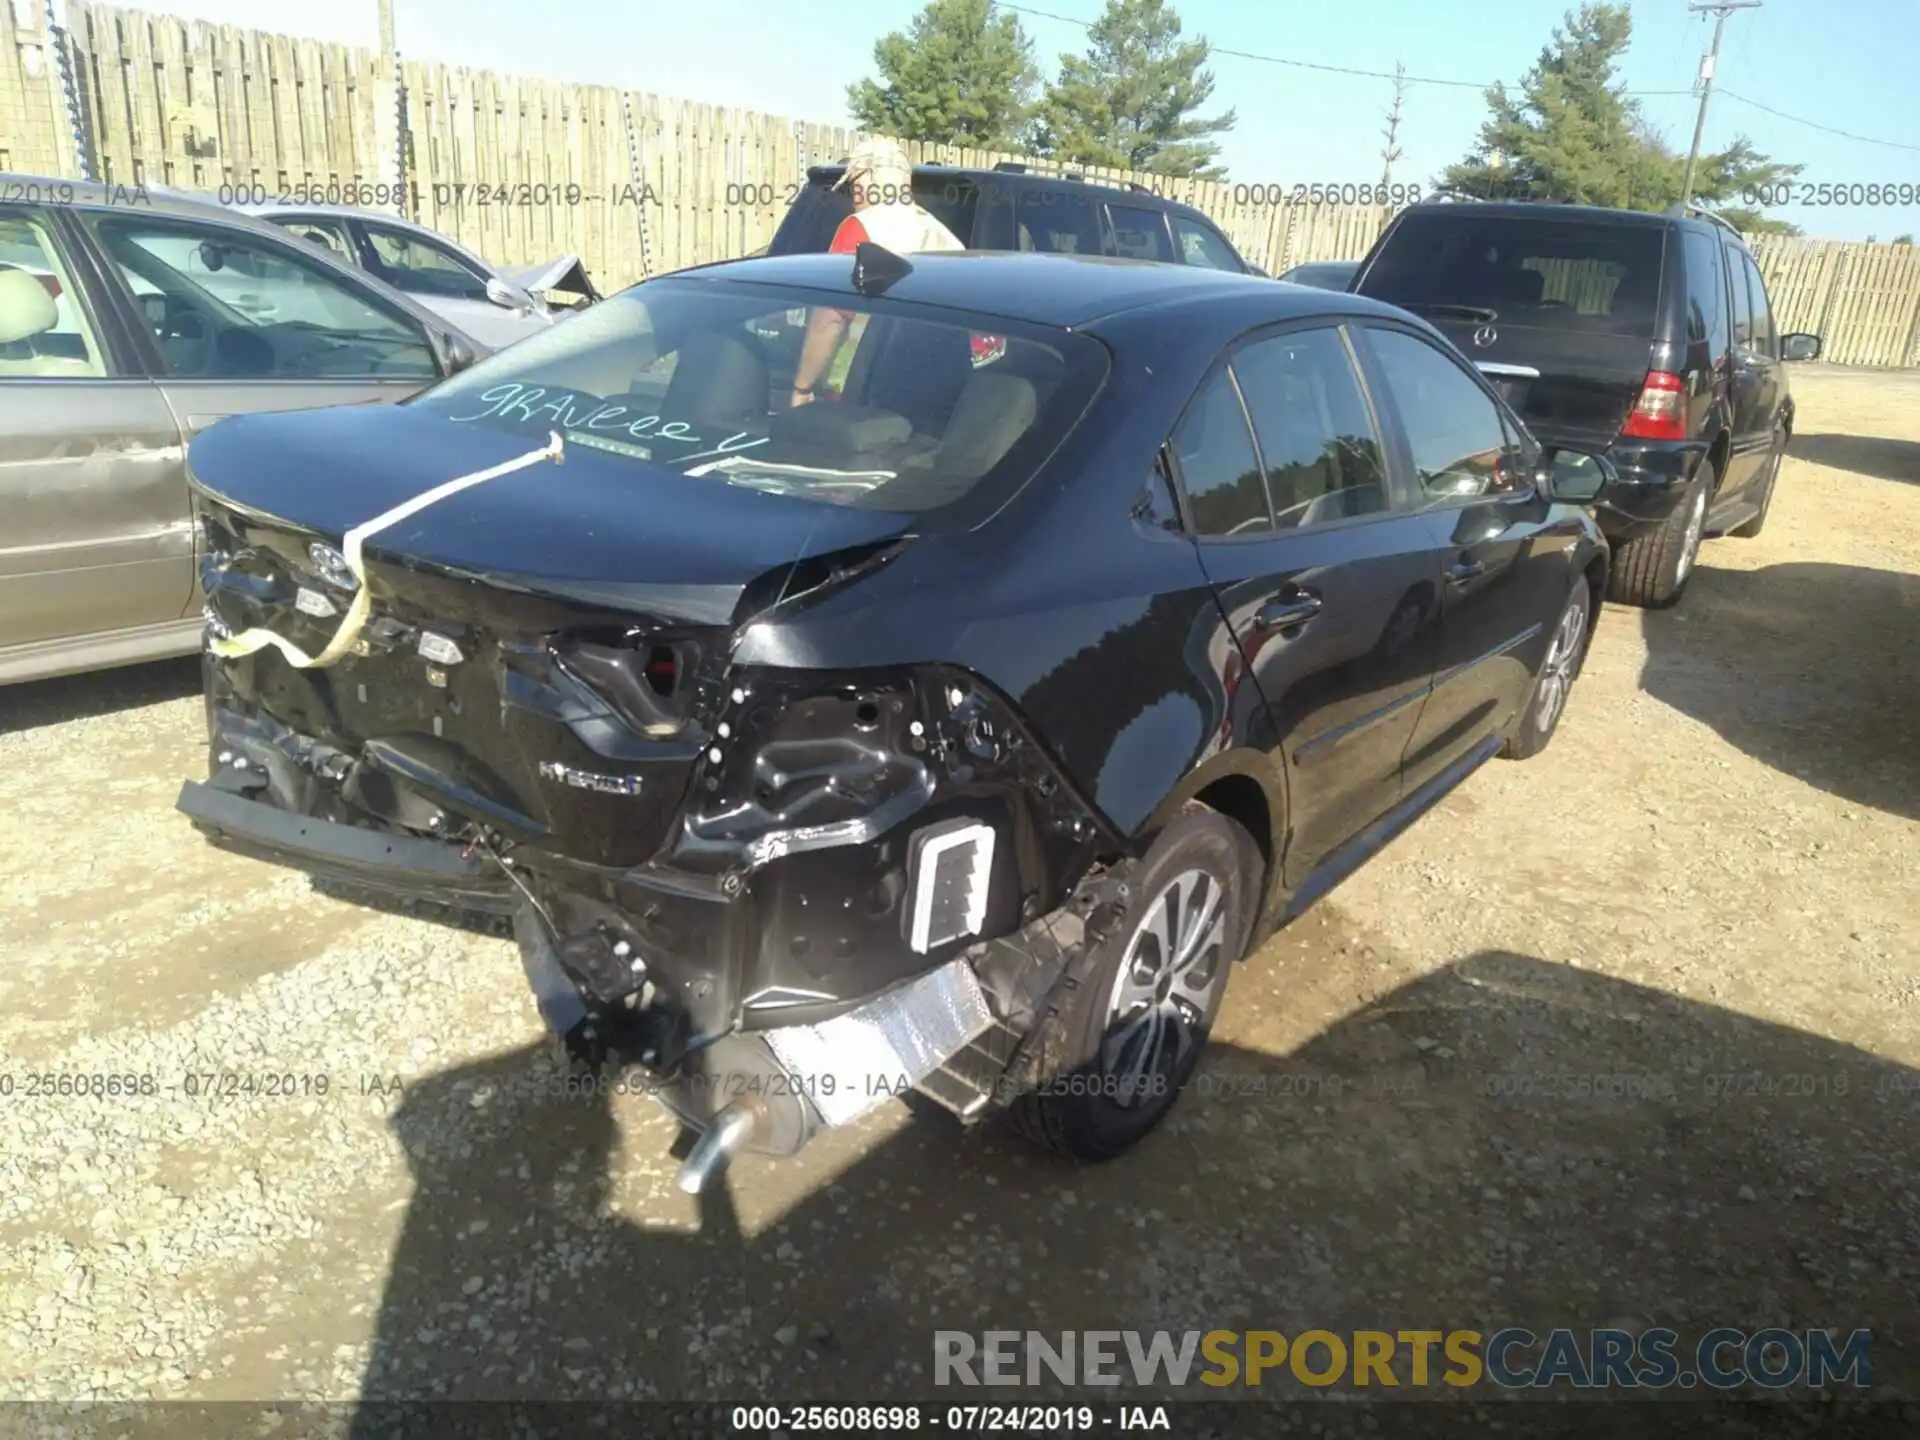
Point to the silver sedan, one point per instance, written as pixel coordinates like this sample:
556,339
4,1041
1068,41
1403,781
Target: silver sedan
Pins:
496,304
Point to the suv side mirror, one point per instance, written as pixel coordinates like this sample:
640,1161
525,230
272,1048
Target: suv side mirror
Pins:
1576,476
1799,346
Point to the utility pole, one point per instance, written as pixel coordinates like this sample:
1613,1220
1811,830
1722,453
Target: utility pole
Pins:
1720,10
1392,152
396,96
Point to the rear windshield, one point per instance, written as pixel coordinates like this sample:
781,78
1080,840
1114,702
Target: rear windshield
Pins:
816,212
914,409
1599,277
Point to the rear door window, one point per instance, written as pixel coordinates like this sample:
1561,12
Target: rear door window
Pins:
1742,302
1321,453
1218,468
1764,339
1599,277
1138,233
1706,292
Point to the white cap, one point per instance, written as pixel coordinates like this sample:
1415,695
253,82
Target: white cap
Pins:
882,161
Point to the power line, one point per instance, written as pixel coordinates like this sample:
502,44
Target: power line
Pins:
1816,125
1457,84
1265,59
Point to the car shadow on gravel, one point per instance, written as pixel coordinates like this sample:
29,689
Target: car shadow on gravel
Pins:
100,692
1505,1141
1808,667
1874,456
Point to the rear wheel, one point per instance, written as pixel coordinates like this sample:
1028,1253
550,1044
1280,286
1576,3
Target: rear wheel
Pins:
1125,1025
1652,570
1754,526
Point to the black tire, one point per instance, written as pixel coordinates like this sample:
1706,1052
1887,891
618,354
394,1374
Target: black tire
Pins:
1759,522
1559,668
1079,1106
1652,570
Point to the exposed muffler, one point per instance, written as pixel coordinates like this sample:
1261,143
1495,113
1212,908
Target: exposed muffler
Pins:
839,1069
768,1091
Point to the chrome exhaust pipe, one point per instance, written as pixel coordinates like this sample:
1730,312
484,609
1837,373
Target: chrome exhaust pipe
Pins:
731,1129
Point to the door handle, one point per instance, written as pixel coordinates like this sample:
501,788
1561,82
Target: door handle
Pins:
1295,608
1465,569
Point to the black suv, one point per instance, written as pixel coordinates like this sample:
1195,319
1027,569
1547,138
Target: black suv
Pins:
1012,208
1648,336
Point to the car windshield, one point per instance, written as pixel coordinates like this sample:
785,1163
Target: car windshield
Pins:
914,410
1593,276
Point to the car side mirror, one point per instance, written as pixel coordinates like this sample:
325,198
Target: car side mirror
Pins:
504,295
1576,476
460,355
1799,346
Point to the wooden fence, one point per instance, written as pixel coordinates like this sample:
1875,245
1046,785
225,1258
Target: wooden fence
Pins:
635,183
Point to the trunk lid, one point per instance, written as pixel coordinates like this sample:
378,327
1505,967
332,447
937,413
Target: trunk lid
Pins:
544,649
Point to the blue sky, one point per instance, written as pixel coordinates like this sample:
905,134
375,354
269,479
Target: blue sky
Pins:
1844,64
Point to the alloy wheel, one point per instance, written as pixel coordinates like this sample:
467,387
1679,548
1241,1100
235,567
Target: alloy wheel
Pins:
1563,659
1166,985
1690,542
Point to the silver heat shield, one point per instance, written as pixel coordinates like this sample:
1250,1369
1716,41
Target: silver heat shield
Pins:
851,1063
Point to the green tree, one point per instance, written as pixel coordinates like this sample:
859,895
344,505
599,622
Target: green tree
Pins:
1901,240
960,75
1132,100
1572,134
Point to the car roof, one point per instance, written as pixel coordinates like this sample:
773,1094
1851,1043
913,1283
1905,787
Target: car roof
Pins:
1041,288
342,212
157,199
1539,210
1591,214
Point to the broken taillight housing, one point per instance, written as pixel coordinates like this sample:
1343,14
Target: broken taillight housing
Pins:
639,678
1660,412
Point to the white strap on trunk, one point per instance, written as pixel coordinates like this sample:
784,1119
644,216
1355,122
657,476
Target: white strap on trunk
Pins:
249,641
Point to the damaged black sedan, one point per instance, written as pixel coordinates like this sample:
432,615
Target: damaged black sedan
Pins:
859,673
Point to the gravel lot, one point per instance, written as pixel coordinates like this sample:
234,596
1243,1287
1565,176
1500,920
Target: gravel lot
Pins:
1701,900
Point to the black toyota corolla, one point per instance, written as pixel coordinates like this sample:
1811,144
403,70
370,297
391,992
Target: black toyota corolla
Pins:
862,673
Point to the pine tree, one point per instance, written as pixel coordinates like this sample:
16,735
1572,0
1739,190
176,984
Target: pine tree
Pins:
1574,135
1131,100
960,75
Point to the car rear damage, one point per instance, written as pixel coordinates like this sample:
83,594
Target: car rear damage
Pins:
788,892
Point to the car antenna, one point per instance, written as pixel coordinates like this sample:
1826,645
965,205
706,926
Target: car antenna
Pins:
875,268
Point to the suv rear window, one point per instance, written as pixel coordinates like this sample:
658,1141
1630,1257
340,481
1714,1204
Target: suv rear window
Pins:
807,227
1524,270
915,411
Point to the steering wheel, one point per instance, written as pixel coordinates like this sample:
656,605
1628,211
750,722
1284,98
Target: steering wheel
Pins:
186,336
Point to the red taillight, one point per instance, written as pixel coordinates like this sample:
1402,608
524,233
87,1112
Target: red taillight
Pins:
1661,411
662,670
